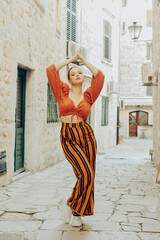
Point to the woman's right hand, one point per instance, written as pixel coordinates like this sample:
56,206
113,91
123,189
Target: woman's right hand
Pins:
76,56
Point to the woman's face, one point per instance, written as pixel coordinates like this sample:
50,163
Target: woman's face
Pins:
76,76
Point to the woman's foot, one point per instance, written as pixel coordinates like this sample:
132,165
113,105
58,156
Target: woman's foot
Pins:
76,221
66,211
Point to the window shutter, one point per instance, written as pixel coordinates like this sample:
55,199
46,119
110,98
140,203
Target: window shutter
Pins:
58,15
149,18
105,111
148,51
52,107
107,40
71,19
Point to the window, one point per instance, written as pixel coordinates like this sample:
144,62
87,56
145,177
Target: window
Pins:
149,18
107,40
105,111
124,3
71,19
58,15
52,107
123,27
148,51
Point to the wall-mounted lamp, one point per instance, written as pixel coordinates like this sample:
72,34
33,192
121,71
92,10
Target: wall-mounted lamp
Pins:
135,31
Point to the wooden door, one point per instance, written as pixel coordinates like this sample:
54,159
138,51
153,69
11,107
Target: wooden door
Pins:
20,122
137,118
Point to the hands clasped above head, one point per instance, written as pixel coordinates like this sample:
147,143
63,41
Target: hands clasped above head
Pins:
77,55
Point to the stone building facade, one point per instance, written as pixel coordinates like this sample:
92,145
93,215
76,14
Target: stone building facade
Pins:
156,89
136,115
33,36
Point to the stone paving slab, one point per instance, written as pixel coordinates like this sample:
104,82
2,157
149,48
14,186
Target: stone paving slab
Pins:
80,236
19,226
127,202
49,235
118,236
149,236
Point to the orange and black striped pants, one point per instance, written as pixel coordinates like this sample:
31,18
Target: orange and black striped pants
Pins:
80,148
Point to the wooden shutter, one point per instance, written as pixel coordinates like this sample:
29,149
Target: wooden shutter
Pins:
105,111
148,51
149,18
71,19
52,107
107,40
58,15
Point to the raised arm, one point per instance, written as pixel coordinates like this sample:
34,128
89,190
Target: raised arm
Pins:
97,78
60,65
54,77
92,68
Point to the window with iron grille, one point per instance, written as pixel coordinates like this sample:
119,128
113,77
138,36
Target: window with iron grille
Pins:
105,111
107,40
71,19
52,107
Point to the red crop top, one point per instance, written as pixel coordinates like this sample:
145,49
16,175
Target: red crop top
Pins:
61,92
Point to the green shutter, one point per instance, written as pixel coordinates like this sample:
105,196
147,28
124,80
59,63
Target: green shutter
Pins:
107,40
52,107
105,111
71,19
20,121
89,118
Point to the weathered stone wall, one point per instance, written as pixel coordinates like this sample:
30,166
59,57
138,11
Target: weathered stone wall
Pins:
124,118
132,55
156,67
92,38
28,39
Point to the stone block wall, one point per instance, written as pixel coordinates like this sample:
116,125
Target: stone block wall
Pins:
29,39
156,67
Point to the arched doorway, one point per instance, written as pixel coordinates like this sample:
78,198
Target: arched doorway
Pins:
137,118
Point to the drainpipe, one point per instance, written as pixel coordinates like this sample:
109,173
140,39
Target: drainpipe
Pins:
118,108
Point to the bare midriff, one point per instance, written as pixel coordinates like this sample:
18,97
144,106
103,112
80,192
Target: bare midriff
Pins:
68,118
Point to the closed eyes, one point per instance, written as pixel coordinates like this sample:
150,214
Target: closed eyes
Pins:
74,74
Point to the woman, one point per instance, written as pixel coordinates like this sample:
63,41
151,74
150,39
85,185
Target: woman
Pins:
76,135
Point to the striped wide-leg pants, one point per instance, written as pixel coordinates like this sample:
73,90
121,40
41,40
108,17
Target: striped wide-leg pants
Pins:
80,148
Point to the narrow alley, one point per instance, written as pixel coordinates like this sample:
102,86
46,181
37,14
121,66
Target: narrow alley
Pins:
126,199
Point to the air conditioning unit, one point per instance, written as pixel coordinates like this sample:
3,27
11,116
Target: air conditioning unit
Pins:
72,48
147,76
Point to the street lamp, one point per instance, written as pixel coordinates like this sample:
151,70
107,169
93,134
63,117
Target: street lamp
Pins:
135,30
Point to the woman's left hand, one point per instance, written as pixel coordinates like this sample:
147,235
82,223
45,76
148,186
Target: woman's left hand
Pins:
79,55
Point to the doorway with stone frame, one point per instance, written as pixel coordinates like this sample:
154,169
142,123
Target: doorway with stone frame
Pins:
20,121
137,118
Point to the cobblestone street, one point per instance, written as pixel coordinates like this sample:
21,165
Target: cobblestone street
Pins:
127,200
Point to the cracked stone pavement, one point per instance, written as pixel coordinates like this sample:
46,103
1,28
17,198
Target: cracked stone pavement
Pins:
127,200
